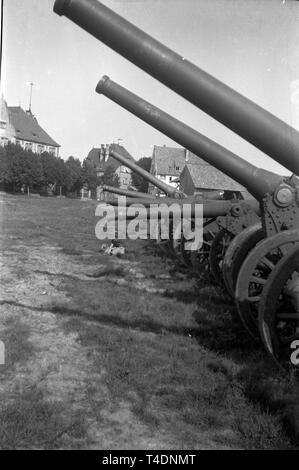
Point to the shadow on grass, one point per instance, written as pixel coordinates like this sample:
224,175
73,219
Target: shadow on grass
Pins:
186,296
144,324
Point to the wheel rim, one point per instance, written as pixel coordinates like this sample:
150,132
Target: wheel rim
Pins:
279,312
254,274
236,254
217,253
200,259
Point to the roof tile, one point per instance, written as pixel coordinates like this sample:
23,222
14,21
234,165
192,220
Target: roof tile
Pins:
171,160
209,177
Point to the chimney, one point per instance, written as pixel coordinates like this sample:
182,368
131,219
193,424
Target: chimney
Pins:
107,152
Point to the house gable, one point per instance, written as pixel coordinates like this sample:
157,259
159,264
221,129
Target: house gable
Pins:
27,128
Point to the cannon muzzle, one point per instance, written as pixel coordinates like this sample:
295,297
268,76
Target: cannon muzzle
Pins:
126,192
257,181
250,121
169,190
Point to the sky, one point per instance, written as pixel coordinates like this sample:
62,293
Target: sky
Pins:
251,45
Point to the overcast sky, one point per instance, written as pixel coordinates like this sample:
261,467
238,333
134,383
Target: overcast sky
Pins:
251,45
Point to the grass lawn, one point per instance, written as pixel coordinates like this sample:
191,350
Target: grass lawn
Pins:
123,352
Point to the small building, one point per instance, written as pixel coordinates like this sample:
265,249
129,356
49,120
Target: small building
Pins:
168,164
200,179
100,159
21,127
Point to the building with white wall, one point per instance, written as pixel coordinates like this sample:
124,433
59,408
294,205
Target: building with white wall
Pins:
22,128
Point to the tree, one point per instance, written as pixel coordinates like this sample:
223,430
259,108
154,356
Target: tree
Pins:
89,176
110,177
49,165
75,174
63,175
5,167
140,183
26,169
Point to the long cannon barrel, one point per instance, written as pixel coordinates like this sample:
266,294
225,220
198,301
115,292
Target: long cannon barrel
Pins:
256,125
126,192
169,190
132,196
158,200
210,209
257,181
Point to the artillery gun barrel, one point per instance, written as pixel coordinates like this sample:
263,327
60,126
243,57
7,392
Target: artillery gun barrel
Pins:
126,192
209,195
210,209
168,201
169,190
244,117
256,180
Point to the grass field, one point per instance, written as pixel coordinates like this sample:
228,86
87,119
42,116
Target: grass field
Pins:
123,352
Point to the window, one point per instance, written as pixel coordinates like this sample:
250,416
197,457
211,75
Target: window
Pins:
2,125
177,168
52,150
40,148
28,146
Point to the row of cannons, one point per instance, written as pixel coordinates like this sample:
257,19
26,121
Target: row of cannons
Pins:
251,247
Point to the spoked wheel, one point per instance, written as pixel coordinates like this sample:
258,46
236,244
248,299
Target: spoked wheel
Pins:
177,249
255,273
279,311
180,253
236,254
185,254
200,259
217,253
164,245
178,244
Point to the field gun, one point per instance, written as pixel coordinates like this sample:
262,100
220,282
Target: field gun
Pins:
218,234
172,195
277,196
240,215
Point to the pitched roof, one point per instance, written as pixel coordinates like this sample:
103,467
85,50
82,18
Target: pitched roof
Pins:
95,157
171,160
27,128
208,177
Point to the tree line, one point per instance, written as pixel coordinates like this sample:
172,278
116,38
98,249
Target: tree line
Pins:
23,170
